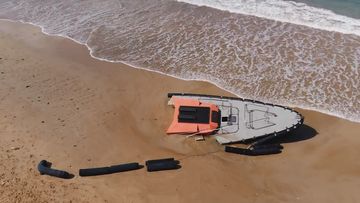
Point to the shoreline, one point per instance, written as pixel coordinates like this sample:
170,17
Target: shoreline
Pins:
58,103
176,77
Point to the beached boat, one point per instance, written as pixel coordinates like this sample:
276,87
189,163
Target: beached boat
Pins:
230,119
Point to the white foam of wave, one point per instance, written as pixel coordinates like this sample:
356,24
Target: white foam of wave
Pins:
286,11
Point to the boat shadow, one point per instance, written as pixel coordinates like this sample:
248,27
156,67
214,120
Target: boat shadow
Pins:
304,132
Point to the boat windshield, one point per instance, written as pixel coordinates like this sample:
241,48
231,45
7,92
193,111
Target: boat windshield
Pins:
216,117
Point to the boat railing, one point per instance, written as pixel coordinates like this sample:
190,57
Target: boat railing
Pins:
264,121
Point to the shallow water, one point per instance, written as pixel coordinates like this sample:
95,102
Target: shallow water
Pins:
253,57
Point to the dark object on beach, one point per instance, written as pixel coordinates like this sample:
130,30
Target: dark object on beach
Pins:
258,147
237,150
109,170
255,151
44,167
162,164
158,160
264,140
279,146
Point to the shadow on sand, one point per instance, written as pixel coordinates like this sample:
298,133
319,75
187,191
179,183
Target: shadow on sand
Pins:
304,132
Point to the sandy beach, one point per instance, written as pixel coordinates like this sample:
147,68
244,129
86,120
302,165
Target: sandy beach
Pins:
59,104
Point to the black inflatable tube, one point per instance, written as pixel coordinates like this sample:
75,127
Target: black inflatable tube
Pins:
44,168
237,150
165,165
158,161
268,146
109,170
94,171
124,167
265,151
253,152
263,140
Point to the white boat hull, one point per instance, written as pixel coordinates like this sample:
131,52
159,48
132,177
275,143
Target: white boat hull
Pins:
244,119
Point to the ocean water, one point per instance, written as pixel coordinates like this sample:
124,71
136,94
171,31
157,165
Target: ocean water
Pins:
350,8
277,51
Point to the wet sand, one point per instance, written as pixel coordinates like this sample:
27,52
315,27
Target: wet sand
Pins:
58,103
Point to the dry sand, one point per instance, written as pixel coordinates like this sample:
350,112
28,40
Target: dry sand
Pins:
58,103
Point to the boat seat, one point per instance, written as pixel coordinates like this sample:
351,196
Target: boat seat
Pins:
191,114
187,109
183,117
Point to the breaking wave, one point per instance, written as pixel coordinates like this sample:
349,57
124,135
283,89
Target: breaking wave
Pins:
287,11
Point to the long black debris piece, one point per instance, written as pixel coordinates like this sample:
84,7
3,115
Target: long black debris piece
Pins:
267,146
158,161
109,170
256,151
162,164
44,167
